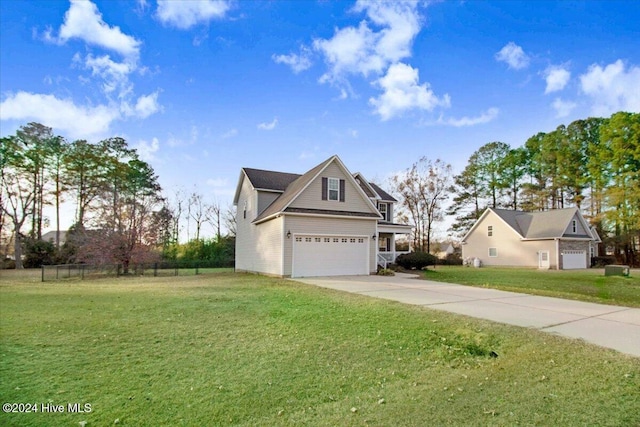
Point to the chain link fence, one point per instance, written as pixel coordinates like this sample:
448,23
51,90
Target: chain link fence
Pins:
87,271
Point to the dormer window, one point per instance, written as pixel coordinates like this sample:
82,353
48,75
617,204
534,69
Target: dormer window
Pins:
383,208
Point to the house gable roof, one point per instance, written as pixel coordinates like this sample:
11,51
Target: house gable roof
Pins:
297,186
551,224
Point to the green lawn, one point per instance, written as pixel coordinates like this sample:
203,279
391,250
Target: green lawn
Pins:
235,349
585,285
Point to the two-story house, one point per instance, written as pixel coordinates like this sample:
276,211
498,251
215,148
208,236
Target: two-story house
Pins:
326,222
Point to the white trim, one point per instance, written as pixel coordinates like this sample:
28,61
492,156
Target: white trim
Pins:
318,215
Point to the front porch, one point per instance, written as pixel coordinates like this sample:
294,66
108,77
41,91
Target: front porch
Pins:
387,250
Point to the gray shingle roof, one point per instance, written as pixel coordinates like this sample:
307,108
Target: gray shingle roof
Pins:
383,194
539,225
270,180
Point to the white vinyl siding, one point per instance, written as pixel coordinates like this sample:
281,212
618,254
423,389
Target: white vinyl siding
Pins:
258,247
265,198
311,197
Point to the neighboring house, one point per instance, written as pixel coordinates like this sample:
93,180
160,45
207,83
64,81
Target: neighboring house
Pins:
325,222
558,239
444,249
50,237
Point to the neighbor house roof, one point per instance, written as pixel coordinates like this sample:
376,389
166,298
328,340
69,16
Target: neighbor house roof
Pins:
539,225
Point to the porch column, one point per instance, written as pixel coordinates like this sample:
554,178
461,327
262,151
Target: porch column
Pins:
393,246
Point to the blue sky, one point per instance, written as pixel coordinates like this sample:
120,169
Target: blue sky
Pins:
203,88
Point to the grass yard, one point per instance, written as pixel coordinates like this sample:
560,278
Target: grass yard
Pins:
236,349
585,285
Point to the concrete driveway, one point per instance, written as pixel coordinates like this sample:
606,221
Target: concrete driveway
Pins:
605,325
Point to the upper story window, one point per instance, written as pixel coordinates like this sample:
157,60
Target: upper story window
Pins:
383,208
334,189
490,230
574,226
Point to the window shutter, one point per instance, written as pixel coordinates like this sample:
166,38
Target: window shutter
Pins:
342,190
325,184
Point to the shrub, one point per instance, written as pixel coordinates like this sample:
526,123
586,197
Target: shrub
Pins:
416,260
601,261
386,272
451,259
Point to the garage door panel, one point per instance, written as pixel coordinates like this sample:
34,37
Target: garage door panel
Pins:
574,259
330,255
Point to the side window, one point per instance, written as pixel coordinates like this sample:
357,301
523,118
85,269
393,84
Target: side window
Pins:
493,252
490,230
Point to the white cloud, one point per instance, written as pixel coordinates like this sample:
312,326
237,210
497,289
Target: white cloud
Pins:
148,150
83,21
184,14
297,62
361,50
514,56
115,75
147,105
563,108
269,126
60,114
485,117
230,134
557,77
612,88
402,92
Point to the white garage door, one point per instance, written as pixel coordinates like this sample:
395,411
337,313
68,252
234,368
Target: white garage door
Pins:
330,255
574,259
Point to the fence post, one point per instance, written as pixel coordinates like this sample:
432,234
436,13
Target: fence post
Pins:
82,271
155,269
69,272
42,273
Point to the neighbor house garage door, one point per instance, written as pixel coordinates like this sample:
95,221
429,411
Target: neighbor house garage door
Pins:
574,259
330,255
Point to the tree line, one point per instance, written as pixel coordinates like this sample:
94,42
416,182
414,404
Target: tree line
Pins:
121,215
592,164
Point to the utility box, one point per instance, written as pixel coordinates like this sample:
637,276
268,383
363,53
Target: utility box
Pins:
616,270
